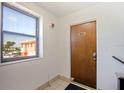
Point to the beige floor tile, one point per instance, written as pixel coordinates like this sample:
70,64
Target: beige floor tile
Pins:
60,88
61,85
64,84
59,82
57,85
49,88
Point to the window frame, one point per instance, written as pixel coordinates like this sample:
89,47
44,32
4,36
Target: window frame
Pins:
9,60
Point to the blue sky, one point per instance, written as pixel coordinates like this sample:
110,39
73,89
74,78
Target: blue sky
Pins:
18,39
17,22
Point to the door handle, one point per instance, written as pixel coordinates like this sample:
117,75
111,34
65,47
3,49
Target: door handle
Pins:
94,56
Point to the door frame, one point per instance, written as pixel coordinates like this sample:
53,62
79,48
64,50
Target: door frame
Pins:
96,46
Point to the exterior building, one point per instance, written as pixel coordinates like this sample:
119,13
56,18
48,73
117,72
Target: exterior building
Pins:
28,48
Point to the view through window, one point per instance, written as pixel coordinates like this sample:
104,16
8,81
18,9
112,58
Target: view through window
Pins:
19,35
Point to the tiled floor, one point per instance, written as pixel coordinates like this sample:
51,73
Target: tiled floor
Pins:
57,85
61,85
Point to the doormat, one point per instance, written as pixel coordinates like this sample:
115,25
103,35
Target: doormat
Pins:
73,87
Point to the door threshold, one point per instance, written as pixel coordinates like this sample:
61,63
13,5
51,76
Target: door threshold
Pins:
83,86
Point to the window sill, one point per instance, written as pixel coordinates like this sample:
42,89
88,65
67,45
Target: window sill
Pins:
19,61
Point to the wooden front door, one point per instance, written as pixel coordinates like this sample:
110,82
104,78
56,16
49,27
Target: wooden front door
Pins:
83,53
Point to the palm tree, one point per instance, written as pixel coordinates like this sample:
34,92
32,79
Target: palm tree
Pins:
10,50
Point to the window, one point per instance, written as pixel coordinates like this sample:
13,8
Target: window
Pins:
19,34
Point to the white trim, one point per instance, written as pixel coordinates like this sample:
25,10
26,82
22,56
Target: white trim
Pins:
41,44
19,61
84,21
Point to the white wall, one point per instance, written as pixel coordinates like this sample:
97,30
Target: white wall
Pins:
32,74
110,40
